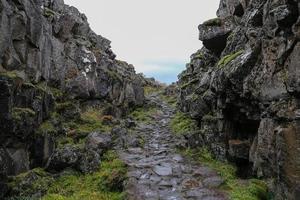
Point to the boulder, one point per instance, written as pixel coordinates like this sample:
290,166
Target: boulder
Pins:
89,161
62,158
98,142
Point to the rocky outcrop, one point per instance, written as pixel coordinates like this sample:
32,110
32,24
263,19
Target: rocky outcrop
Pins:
243,88
49,57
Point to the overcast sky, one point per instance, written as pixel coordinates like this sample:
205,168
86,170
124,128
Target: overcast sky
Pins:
156,36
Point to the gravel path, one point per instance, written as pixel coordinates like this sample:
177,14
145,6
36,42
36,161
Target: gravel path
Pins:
158,172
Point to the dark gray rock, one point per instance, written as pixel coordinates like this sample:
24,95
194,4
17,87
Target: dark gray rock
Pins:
89,161
239,149
98,142
6,164
243,85
45,47
65,157
215,181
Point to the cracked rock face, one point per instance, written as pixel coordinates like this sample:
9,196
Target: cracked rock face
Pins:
243,88
46,45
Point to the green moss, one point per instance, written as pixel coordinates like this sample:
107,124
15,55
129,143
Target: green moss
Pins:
57,93
63,141
181,123
114,75
20,113
28,85
171,100
31,182
105,184
92,120
252,189
210,118
150,90
10,74
143,114
193,97
226,59
198,56
189,83
89,121
48,12
20,198
231,36
62,107
46,127
213,22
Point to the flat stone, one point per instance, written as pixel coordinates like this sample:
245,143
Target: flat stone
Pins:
169,195
135,174
177,158
177,171
191,183
204,172
166,183
214,181
162,171
155,178
200,193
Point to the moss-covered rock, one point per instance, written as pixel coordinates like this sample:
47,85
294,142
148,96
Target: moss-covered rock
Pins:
252,189
33,184
191,82
47,127
105,184
213,22
182,124
22,113
227,59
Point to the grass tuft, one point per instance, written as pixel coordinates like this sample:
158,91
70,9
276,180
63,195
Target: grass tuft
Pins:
150,90
181,123
20,113
143,114
106,184
237,189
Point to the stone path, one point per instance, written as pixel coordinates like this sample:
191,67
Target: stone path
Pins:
157,172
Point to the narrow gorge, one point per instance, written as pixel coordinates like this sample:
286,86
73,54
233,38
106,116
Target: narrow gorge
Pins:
77,123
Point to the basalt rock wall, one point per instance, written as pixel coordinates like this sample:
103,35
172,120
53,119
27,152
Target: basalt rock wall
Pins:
243,88
49,54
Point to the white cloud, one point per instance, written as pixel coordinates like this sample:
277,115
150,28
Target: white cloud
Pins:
142,30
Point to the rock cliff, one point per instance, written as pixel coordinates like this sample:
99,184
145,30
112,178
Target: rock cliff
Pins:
243,88
52,68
